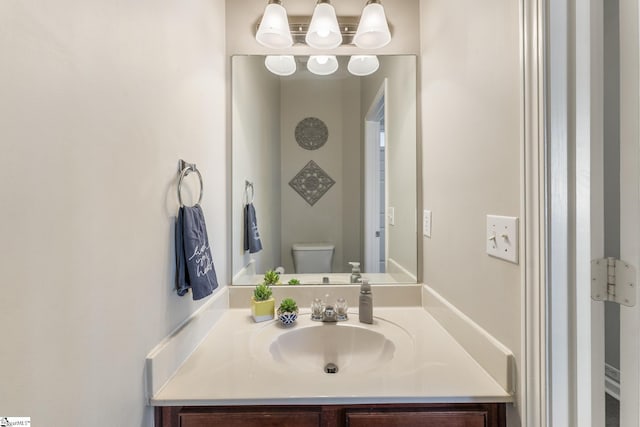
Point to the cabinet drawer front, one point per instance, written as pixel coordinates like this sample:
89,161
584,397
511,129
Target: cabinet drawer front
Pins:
250,419
418,419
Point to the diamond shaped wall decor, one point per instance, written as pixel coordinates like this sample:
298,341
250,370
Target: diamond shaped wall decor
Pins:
311,183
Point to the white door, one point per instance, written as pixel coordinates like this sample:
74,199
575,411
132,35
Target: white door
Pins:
603,98
579,61
630,207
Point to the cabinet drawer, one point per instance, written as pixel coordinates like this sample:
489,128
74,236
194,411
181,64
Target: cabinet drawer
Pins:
417,419
250,419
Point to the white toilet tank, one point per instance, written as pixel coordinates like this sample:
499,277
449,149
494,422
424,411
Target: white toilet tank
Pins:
312,257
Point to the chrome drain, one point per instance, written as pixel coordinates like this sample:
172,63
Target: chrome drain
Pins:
331,368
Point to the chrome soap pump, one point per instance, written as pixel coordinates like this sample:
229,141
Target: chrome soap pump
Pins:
365,307
356,277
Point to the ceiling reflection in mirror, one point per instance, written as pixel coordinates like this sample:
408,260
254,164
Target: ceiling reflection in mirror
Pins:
324,173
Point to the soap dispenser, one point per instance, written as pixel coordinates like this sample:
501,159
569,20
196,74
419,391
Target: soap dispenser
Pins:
365,308
356,277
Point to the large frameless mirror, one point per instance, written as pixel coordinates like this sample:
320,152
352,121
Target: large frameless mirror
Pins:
324,172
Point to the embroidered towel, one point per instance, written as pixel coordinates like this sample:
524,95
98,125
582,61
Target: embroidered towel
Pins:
194,264
252,241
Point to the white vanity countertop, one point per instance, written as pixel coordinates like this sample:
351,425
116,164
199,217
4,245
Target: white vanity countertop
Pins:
225,370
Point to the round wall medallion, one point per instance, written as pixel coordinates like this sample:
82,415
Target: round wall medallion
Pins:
311,133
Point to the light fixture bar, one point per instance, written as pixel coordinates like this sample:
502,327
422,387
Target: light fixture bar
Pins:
299,25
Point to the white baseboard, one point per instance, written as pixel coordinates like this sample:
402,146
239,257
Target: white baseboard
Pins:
612,381
165,359
492,355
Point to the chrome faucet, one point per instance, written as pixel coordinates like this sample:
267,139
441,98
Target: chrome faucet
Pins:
356,276
329,313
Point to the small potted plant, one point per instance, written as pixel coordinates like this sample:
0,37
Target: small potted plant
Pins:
262,303
271,277
294,282
288,311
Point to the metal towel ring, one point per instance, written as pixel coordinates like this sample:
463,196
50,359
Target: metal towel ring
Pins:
249,185
186,169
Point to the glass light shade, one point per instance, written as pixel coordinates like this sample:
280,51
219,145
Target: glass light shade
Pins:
373,29
274,30
281,65
363,65
322,65
324,32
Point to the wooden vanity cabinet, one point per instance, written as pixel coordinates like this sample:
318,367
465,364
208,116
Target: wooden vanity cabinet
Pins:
380,415
422,419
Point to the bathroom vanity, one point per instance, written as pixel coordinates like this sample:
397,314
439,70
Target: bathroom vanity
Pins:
404,369
427,415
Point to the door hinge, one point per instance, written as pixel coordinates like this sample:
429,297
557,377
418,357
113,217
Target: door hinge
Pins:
613,280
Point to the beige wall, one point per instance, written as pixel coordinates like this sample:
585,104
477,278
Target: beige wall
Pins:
255,113
326,220
243,16
471,155
353,182
400,129
99,101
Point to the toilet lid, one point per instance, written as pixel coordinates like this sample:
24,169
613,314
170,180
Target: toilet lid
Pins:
313,247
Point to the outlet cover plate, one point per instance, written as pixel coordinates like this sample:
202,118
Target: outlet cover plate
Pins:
426,223
502,237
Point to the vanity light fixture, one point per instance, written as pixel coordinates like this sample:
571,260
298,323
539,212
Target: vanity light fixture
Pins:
322,65
274,29
324,32
281,65
363,65
373,29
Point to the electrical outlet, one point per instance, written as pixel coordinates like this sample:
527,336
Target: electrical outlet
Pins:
426,223
502,237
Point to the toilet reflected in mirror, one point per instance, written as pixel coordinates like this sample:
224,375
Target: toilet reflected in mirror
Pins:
312,257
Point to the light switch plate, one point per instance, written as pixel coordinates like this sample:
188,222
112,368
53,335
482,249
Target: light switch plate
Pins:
426,223
502,237
391,215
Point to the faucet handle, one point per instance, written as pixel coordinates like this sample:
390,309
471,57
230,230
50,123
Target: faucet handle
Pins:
341,309
317,307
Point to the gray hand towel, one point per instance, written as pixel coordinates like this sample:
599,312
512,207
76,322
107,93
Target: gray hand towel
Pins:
252,241
194,264
182,279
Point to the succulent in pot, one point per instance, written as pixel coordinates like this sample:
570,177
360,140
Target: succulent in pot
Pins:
271,277
262,292
294,282
288,311
262,303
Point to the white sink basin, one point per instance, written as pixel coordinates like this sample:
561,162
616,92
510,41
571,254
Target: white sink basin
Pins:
353,347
